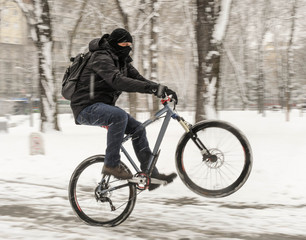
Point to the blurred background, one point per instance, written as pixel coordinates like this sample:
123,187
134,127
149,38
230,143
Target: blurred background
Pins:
217,55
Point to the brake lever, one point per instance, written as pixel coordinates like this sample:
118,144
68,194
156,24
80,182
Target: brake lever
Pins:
168,98
174,104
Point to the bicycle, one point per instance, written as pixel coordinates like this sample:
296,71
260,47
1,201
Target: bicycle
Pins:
215,169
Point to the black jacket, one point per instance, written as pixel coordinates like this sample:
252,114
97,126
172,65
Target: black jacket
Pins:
111,76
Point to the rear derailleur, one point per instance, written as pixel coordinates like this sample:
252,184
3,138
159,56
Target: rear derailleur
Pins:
102,195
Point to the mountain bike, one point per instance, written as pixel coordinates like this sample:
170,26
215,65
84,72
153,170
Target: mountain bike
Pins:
213,159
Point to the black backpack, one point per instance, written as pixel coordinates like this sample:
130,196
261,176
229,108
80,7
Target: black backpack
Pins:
73,73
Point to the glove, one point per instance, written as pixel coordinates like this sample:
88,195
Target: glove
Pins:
162,91
174,96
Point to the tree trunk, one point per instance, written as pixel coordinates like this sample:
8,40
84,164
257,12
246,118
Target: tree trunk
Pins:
290,57
39,20
243,24
208,59
44,43
202,28
262,28
260,81
154,48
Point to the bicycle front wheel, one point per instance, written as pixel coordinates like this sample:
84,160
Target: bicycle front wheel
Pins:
100,200
220,169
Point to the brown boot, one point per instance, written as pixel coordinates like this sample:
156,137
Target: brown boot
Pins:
118,172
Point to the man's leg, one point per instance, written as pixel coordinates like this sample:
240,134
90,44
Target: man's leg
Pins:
116,119
140,143
143,152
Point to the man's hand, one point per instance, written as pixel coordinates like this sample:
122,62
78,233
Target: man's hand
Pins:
162,91
174,96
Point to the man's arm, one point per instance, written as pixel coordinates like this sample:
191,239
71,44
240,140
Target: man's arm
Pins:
133,73
104,66
158,89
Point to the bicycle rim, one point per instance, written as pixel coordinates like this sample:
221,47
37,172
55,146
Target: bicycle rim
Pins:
98,210
223,175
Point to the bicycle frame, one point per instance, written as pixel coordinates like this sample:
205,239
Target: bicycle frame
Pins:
169,114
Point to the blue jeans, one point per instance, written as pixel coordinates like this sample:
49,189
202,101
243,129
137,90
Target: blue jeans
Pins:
119,123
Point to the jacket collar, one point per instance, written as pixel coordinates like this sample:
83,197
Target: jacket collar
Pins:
115,57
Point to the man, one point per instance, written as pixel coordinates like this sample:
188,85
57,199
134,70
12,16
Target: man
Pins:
106,75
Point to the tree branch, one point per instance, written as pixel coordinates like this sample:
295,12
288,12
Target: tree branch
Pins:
75,28
124,15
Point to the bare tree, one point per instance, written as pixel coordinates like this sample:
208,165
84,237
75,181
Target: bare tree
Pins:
237,55
262,28
203,27
139,53
211,26
73,32
39,20
290,57
154,30
239,75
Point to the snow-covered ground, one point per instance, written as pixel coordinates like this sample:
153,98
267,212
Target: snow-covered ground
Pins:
271,205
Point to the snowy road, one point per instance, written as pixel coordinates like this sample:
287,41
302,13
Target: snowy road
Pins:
37,211
271,205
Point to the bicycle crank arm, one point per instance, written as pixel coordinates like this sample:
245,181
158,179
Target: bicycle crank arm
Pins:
141,180
138,180
157,181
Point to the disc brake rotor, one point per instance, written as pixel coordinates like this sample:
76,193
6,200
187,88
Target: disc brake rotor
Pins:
215,159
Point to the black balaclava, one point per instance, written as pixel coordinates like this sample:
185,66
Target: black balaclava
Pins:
120,35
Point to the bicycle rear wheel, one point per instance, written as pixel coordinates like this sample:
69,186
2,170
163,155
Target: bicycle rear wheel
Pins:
221,170
97,200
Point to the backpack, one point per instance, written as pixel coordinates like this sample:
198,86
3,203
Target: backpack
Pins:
73,73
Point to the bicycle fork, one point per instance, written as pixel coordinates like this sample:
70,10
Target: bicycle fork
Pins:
188,128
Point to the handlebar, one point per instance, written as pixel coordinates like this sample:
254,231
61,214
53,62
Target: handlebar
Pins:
161,92
167,99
